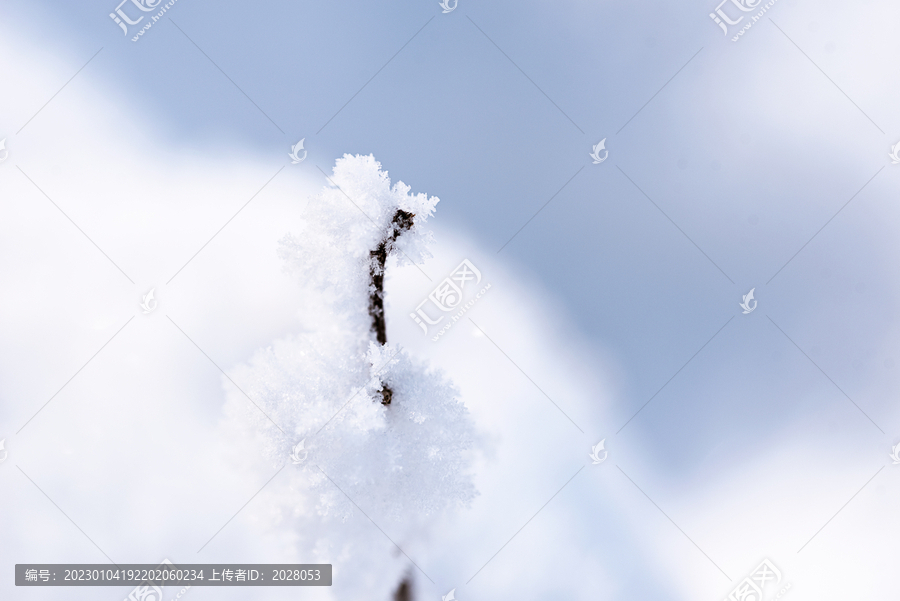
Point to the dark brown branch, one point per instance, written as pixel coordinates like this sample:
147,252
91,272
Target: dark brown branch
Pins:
401,222
404,591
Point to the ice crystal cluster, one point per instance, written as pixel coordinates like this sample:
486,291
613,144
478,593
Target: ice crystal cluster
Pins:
399,462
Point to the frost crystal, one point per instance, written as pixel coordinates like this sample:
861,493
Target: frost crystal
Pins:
380,430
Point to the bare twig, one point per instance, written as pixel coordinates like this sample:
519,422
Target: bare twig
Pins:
401,222
404,591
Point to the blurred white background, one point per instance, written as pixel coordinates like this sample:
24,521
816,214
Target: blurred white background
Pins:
750,444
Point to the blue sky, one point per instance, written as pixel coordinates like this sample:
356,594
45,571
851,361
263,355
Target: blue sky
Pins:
760,164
